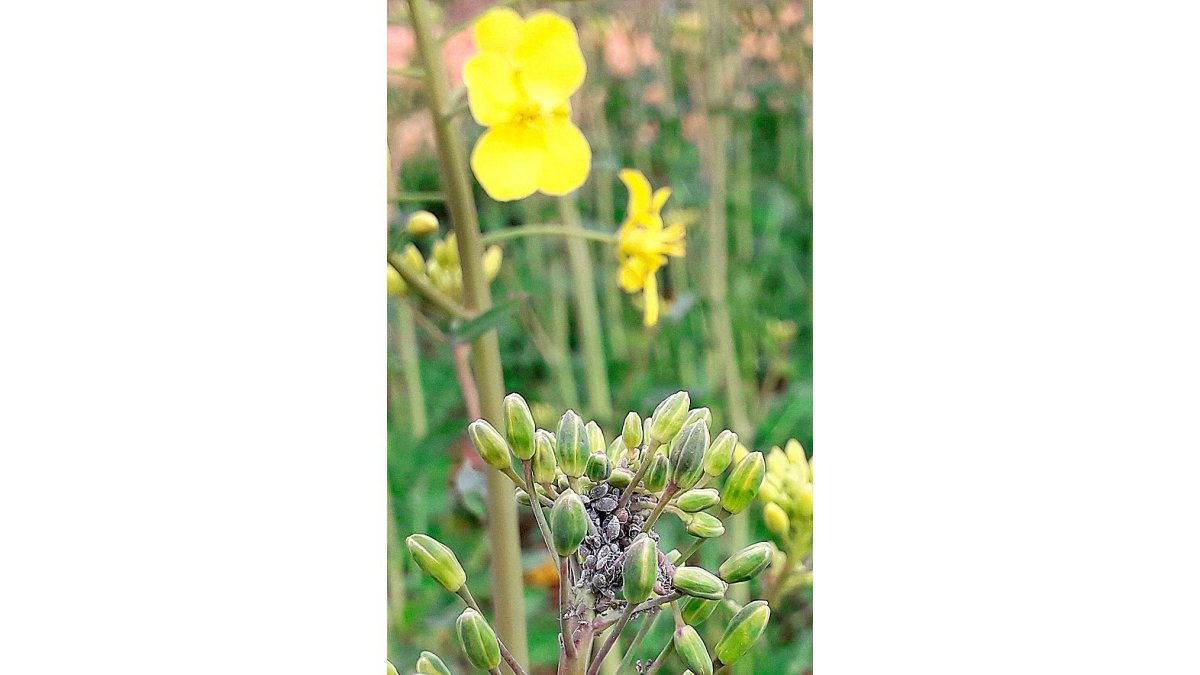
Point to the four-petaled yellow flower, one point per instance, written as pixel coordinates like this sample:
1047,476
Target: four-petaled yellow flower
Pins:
643,243
518,86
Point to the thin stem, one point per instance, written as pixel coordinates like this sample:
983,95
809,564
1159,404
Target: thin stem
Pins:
536,503
465,594
612,638
587,313
425,289
643,607
643,630
661,658
503,535
637,477
404,197
564,604
543,230
660,507
410,368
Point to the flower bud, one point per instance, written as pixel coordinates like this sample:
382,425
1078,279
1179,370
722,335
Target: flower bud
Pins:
720,453
438,561
698,500
421,223
668,417
391,669
776,519
704,526
742,632
796,455
656,476
692,651
697,415
597,467
568,522
615,449
572,448
478,640
518,426
595,435
742,484
431,664
767,492
698,582
493,257
620,478
687,455
522,497
696,610
545,466
747,563
804,500
641,570
395,282
490,445
631,432
739,452
777,463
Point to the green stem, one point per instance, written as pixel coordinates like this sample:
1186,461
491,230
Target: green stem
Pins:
587,313
405,197
410,368
564,606
610,295
661,658
544,230
536,503
503,536
643,630
427,290
612,638
647,455
670,490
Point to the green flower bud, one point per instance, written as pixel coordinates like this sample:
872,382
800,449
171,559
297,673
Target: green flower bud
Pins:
431,664
421,223
568,522
656,476
490,445
698,500
561,482
720,453
668,417
478,640
742,484
687,455
696,610
747,563
438,561
620,478
522,497
545,466
615,449
518,426
692,651
572,450
595,435
742,632
699,414
705,526
631,432
698,582
391,669
804,500
641,570
597,467
776,519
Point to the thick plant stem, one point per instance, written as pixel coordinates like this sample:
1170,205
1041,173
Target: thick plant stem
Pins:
564,606
610,294
410,368
503,536
587,314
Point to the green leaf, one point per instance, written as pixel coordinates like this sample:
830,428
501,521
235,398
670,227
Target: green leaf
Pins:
468,331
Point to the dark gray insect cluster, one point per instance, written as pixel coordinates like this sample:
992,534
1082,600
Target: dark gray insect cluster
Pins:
603,552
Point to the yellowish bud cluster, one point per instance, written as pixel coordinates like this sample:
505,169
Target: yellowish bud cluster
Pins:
442,269
787,496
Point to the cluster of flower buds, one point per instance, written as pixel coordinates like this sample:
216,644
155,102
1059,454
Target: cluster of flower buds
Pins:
787,496
597,503
442,270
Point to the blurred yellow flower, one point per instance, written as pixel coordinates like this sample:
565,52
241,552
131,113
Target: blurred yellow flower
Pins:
643,243
518,85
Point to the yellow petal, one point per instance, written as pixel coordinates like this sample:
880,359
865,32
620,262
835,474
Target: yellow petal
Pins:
639,191
507,161
492,91
651,299
660,197
548,56
568,159
498,31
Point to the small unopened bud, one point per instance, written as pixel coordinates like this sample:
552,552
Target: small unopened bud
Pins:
572,448
698,500
490,445
478,640
747,563
656,476
522,497
720,453
631,432
804,500
640,572
545,465
687,455
699,414
615,449
391,670
568,522
668,417
776,519
518,426
438,561
395,282
704,526
777,463
431,664
421,223
493,257
692,651
739,452
742,484
620,478
698,582
595,435
742,632
696,610
597,467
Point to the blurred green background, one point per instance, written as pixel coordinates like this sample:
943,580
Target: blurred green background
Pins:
641,107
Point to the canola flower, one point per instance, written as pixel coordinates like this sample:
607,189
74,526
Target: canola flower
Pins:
518,86
643,242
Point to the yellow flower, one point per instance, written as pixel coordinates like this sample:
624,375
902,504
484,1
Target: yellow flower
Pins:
643,243
518,85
